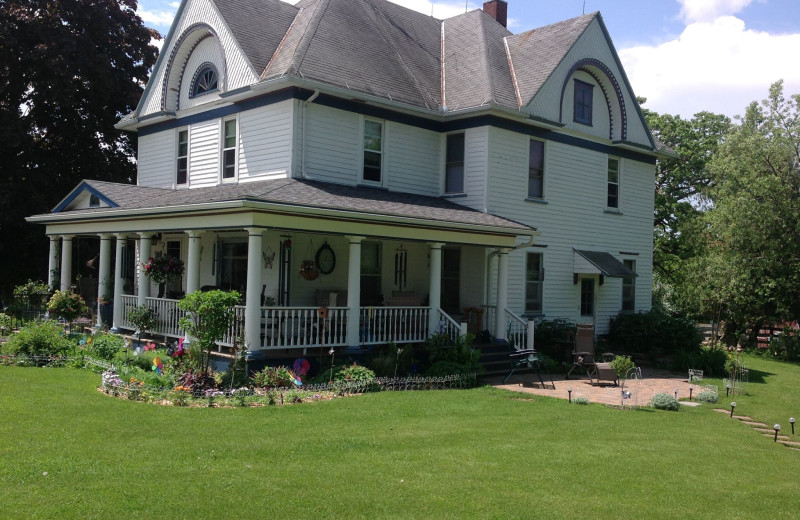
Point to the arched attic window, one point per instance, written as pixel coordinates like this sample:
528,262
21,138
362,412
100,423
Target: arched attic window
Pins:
612,92
205,80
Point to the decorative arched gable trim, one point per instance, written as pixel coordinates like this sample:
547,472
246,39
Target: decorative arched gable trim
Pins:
198,76
607,81
183,48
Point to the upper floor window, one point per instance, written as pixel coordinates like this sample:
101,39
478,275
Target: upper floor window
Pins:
629,288
534,278
454,164
613,182
94,201
583,102
183,158
373,150
229,149
205,80
536,170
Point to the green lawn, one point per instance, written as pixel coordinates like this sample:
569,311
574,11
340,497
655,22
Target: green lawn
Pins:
479,453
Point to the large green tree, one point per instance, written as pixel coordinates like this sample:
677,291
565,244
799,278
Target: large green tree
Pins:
682,191
69,69
752,232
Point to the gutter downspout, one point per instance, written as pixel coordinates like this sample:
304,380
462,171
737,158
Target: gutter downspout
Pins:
303,152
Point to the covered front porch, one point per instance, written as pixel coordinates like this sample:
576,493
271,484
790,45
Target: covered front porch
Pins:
309,277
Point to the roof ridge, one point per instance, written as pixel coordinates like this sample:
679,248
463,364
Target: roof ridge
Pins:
305,39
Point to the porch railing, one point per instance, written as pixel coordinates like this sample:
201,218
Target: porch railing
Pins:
490,314
396,324
167,314
519,332
302,327
129,303
235,332
450,327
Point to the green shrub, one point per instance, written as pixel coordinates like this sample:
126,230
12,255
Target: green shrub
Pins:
209,316
143,359
551,334
707,396
391,360
44,338
273,377
6,323
460,356
354,373
711,360
30,296
581,400
621,365
786,346
105,346
653,332
66,305
664,402
143,318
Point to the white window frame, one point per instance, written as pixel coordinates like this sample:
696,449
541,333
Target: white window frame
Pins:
178,157
382,152
539,283
618,183
223,149
544,169
463,165
629,283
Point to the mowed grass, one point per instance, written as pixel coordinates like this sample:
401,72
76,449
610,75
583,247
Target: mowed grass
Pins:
479,453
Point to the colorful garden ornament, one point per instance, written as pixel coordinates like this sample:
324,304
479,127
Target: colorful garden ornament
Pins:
158,366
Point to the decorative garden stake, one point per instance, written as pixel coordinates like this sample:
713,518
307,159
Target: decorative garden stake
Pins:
569,391
690,392
791,421
676,394
777,429
330,353
733,405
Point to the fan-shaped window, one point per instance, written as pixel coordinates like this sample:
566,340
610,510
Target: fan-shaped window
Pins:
205,80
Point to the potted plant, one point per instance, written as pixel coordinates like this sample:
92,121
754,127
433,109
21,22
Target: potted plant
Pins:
162,268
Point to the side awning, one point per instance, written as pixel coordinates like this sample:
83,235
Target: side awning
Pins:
600,262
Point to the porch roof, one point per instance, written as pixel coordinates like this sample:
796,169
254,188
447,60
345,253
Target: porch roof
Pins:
279,196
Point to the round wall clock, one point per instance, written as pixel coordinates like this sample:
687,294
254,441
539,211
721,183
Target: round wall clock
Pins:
326,259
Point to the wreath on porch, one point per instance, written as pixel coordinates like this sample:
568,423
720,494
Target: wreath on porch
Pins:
163,268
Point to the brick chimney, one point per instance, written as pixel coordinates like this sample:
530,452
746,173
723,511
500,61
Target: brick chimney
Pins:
497,9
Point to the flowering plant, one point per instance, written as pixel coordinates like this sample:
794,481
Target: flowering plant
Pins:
163,268
67,305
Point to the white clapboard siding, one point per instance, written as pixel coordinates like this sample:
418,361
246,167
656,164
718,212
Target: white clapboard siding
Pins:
156,165
546,103
333,144
573,214
413,159
265,142
207,51
239,71
204,144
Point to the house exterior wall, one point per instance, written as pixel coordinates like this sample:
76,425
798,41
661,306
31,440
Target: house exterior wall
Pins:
573,214
157,159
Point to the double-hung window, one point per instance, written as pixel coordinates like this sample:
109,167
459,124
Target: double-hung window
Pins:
629,288
229,149
182,165
534,278
613,183
583,93
373,151
536,170
454,164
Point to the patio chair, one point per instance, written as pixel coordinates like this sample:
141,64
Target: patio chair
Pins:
584,353
603,371
522,359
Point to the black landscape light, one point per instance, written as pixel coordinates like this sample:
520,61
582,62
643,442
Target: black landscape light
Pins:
733,405
569,391
777,429
791,421
690,392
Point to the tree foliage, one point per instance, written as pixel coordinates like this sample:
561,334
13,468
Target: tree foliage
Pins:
70,70
208,317
752,233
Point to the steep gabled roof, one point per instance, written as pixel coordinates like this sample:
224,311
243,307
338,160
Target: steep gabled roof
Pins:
535,54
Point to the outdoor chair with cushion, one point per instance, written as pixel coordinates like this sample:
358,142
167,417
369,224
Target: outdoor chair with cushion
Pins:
522,359
604,372
584,353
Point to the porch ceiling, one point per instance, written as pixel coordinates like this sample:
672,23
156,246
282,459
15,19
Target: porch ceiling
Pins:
286,204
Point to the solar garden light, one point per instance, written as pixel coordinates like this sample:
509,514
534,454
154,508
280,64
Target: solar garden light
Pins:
676,394
791,421
690,392
569,391
777,429
733,405
727,390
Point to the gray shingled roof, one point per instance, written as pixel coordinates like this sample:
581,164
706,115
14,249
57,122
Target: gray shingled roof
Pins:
304,193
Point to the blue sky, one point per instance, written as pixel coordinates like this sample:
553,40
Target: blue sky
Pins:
683,55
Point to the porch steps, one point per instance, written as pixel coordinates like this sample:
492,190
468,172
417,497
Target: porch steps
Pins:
495,360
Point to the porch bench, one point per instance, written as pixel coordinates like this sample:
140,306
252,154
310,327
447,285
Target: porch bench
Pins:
404,299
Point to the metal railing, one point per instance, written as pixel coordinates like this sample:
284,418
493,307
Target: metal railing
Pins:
396,324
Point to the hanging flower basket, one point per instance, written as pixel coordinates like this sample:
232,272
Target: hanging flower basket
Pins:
163,268
308,270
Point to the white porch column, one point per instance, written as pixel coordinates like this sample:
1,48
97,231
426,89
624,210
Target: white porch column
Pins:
502,295
119,282
193,264
103,273
435,287
354,291
52,268
66,262
252,313
145,243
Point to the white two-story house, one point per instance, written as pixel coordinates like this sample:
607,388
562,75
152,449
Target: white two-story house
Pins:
408,174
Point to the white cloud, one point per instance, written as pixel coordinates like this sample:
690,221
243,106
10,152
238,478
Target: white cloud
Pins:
710,10
159,18
719,66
